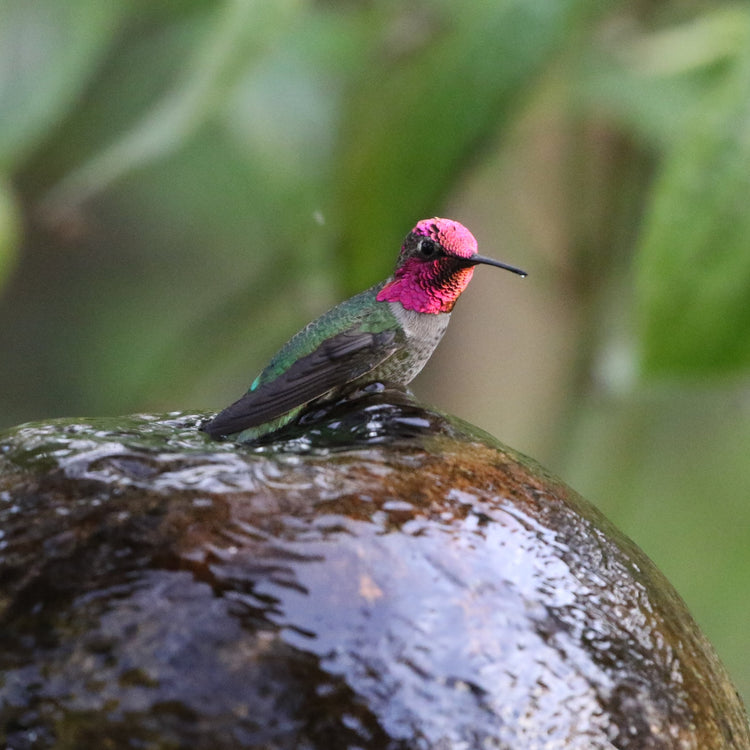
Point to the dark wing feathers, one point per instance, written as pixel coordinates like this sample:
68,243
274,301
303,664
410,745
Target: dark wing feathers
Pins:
337,361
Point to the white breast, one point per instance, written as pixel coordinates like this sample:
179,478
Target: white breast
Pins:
423,333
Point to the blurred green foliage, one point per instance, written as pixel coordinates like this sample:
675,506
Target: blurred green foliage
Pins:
182,185
693,260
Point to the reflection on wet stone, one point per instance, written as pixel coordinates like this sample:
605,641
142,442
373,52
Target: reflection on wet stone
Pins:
382,576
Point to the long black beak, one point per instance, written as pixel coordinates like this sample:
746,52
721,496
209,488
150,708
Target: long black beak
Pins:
475,260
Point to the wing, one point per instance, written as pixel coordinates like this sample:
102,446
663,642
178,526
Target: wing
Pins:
334,363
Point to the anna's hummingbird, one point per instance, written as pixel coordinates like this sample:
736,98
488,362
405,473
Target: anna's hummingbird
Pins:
385,334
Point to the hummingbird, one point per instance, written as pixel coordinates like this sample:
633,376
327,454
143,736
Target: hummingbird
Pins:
385,334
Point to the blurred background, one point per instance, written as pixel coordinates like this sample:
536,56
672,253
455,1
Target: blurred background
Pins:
184,185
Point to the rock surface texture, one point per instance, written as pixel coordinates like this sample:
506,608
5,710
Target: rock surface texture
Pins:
391,579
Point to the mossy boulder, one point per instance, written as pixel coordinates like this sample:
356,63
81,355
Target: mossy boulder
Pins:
412,584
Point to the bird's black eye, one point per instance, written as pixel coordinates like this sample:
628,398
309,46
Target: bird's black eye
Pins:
427,247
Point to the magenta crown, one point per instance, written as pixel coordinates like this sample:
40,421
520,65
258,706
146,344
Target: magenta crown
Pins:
451,235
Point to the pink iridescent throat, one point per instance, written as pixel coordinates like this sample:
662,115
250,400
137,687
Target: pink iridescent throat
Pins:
421,286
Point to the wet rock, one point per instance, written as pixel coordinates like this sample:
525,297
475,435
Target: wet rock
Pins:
386,577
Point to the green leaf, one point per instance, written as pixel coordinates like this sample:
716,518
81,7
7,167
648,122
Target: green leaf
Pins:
693,266
48,51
